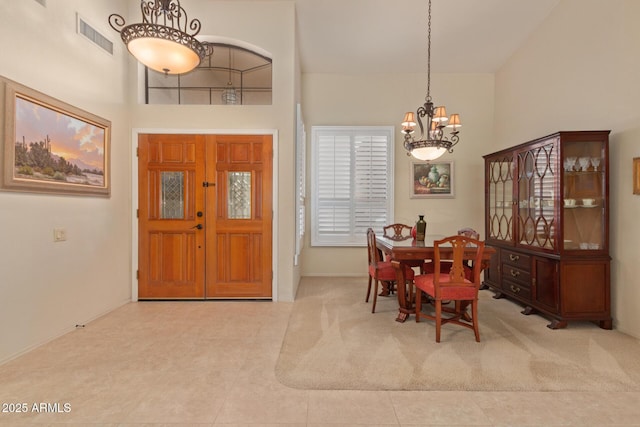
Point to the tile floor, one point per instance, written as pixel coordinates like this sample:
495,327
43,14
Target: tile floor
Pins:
212,363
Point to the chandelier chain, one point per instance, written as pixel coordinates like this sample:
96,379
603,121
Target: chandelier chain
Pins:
428,98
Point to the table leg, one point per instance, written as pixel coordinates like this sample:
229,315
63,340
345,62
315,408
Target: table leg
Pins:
405,300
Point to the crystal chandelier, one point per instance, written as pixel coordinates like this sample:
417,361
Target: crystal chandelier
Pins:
434,143
161,41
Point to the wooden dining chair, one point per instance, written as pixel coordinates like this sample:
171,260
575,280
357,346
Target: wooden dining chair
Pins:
445,266
380,271
452,286
402,232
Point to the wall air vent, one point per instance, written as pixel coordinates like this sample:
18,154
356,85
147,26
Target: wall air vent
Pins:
92,34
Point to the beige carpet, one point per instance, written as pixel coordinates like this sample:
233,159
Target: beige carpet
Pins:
333,342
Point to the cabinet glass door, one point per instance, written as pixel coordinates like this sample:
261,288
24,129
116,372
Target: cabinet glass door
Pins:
500,200
537,173
584,195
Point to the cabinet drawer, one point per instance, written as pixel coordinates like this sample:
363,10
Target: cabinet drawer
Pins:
517,259
515,274
517,289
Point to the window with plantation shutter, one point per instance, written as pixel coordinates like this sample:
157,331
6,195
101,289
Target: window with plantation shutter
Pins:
352,183
301,158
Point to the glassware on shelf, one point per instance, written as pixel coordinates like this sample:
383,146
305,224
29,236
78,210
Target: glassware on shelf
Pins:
584,163
569,163
595,162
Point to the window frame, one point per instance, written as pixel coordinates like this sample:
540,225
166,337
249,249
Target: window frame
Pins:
206,84
301,158
355,236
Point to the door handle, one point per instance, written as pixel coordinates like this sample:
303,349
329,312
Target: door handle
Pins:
198,226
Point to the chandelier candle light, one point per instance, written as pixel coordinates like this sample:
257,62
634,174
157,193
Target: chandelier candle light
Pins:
435,143
161,41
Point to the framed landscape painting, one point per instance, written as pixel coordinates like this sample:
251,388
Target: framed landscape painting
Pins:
51,146
432,179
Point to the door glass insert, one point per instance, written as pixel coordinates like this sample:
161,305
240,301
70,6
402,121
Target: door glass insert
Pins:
172,195
239,196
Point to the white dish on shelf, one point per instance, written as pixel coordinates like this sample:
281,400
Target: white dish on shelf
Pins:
589,206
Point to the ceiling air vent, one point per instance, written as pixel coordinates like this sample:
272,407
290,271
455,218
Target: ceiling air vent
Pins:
92,34
42,2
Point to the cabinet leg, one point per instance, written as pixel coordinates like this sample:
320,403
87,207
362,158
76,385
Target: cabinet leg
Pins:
557,324
606,324
528,310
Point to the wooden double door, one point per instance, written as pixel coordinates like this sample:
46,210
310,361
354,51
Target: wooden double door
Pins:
204,216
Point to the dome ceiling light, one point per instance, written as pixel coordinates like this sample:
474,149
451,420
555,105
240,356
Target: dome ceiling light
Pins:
161,41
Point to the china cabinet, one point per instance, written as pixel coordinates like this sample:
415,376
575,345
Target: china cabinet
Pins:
547,215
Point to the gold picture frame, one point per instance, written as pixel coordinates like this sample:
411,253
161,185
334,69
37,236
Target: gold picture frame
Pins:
49,146
432,179
636,175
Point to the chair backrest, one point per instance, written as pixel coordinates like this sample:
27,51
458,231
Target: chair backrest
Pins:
372,250
459,244
469,232
397,231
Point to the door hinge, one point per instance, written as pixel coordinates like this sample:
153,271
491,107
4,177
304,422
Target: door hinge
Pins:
137,213
137,274
137,151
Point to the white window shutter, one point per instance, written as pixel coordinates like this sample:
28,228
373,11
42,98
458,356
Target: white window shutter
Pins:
301,158
352,183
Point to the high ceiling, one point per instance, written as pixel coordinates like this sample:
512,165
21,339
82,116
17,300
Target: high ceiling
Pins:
386,36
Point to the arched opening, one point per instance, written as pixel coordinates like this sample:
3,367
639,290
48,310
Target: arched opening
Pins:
232,75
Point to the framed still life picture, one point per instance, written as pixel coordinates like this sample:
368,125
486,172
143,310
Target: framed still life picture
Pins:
52,147
432,179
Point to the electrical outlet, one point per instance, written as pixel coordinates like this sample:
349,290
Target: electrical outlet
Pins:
59,234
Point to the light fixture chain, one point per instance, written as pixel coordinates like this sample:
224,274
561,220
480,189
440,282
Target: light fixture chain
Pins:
428,98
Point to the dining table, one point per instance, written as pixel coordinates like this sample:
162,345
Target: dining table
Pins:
409,249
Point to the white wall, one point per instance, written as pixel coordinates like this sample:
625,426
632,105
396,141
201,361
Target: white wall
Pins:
47,288
381,99
579,71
